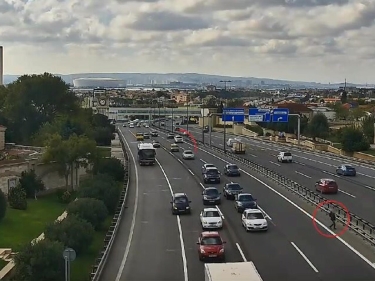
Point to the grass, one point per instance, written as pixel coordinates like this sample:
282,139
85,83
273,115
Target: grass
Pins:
81,267
337,145
3,263
20,227
104,151
370,151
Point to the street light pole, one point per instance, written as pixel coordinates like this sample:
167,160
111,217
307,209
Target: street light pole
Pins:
203,126
159,113
187,116
172,119
225,132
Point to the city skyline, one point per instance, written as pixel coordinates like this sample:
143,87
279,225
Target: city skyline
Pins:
315,41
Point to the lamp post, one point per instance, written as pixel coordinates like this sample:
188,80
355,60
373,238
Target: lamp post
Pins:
159,113
172,118
203,125
187,116
225,131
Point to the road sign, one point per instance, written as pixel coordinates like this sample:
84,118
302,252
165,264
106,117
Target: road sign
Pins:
280,115
233,114
259,115
69,254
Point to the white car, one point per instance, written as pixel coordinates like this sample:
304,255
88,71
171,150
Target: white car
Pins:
131,125
188,154
254,220
206,166
178,139
211,218
285,157
230,142
147,126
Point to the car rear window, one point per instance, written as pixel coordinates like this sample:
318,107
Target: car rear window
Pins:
233,167
287,154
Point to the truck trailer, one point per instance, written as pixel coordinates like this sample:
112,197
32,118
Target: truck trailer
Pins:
238,148
146,154
234,271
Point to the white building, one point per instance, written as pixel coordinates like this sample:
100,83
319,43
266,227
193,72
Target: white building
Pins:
328,112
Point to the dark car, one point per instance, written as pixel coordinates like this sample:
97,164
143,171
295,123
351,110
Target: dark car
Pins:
231,190
155,144
154,134
180,204
146,136
245,201
232,170
211,246
207,166
346,170
211,196
211,175
327,186
170,136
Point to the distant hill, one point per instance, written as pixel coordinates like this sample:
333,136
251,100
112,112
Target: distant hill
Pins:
196,78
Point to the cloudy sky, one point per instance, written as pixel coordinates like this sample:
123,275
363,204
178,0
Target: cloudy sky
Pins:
310,40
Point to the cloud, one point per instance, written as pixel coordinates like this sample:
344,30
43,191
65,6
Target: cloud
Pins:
270,38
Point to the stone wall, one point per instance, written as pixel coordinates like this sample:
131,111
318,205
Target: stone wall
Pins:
47,172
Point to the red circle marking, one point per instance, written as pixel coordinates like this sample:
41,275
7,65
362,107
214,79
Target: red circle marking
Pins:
347,223
191,137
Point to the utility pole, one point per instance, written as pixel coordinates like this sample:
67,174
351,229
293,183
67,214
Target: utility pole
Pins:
225,83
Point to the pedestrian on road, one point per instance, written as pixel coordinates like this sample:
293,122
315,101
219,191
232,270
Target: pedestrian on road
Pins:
332,215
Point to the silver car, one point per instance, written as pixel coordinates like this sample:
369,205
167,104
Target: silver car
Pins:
188,154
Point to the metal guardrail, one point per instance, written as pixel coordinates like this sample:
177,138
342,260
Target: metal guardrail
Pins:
101,260
359,226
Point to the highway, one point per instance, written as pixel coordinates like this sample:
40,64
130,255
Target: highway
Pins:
357,193
163,246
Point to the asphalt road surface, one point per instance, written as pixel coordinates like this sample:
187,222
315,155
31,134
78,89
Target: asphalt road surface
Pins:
357,193
290,250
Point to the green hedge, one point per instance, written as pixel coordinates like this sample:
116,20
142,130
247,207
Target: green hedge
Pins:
222,126
255,128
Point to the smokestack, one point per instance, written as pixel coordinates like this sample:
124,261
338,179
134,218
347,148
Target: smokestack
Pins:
1,66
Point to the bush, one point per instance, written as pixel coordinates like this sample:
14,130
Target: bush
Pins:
30,182
73,232
92,210
268,134
3,205
110,166
17,198
101,187
255,129
353,140
65,196
222,126
42,261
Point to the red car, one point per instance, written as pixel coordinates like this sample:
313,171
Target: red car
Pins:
326,186
211,246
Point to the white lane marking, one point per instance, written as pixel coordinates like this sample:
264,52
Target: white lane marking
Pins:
183,253
277,164
366,175
241,252
303,175
370,187
202,185
347,193
191,172
304,256
179,160
132,226
331,174
221,144
220,212
350,247
203,161
299,163
253,155
265,214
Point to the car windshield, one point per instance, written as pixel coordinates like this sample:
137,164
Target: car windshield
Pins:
148,152
255,216
287,154
139,134
234,187
233,167
209,166
180,200
212,191
188,152
211,214
246,198
211,241
212,171
349,167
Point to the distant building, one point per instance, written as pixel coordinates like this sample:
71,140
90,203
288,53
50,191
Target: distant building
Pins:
328,112
98,83
296,108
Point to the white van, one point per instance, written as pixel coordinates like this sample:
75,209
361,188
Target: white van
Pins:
285,157
230,142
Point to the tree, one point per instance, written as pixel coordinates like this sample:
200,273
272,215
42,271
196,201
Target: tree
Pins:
91,210
101,187
30,183
42,261
33,100
3,205
368,128
110,166
341,112
357,113
353,139
17,198
318,127
77,151
344,97
72,232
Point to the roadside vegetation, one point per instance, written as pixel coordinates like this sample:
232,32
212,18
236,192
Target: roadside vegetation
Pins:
40,110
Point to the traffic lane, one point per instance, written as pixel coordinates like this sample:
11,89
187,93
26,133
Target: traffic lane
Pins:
113,263
182,180
337,262
156,236
258,246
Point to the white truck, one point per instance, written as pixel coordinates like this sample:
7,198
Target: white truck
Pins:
238,148
236,271
146,154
